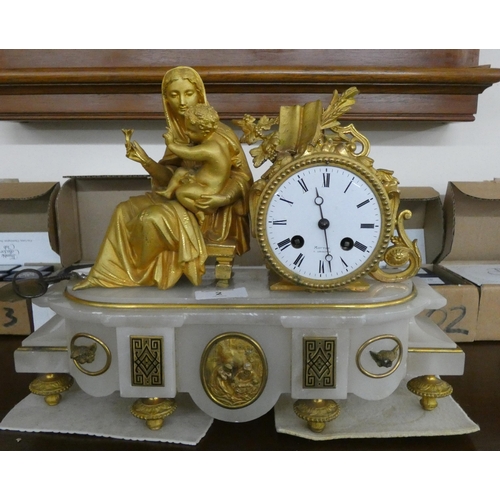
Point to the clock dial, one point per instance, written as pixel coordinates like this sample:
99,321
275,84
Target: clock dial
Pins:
323,225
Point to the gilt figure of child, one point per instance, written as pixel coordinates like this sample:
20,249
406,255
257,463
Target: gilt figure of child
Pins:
209,151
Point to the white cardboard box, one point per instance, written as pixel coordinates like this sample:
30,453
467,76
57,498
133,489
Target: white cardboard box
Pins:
458,318
27,221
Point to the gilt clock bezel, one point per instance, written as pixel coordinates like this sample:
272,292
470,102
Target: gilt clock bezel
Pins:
368,175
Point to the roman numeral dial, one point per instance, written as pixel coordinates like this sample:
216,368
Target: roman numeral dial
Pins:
322,224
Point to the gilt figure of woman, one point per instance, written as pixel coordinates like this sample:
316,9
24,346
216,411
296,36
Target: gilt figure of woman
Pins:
153,240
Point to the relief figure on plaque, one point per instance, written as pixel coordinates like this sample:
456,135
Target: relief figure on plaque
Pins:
199,194
234,373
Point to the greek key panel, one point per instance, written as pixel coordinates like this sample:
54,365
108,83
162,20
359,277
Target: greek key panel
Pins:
319,362
147,361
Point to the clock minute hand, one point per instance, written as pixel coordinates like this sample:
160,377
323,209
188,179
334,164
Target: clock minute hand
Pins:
324,224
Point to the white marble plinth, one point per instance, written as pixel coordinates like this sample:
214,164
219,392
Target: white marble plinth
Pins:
188,318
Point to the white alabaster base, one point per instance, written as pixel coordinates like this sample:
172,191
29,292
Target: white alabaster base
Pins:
188,318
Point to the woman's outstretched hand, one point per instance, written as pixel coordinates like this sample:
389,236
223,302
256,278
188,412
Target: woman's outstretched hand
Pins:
136,153
132,149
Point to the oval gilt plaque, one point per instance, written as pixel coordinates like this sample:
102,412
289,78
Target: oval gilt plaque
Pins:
233,370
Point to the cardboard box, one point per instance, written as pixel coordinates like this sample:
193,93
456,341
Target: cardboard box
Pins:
84,207
459,317
427,215
472,247
25,207
28,207
16,317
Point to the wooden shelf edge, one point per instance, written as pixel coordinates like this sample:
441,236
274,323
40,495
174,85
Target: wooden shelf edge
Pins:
248,79
398,84
32,117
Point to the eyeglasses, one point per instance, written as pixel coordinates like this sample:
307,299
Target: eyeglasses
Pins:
30,283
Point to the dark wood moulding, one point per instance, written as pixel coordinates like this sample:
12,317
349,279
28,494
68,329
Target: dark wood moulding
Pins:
440,85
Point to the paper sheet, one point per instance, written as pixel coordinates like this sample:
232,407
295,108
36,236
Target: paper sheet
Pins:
480,274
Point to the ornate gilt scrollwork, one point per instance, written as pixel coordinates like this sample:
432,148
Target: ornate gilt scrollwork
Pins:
403,256
322,133
279,148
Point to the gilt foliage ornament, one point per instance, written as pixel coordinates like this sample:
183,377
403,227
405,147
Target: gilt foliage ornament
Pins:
302,144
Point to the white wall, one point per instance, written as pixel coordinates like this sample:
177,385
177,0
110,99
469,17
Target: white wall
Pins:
421,154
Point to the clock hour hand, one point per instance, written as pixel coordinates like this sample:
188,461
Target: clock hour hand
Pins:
319,201
323,224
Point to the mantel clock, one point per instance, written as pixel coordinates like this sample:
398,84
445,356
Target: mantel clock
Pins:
323,216
326,221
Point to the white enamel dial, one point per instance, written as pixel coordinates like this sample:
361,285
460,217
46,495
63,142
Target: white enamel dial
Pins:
323,224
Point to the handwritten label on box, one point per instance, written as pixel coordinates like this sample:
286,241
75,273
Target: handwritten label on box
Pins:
20,248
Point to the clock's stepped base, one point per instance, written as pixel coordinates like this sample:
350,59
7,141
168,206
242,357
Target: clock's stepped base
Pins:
236,355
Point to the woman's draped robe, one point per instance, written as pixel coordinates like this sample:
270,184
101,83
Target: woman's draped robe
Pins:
151,241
